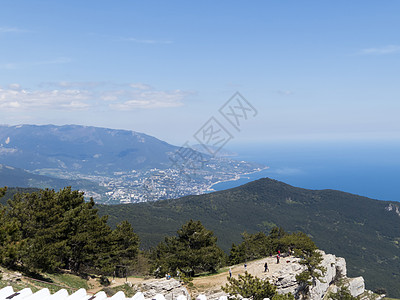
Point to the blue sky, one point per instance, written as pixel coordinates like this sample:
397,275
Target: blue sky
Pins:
313,70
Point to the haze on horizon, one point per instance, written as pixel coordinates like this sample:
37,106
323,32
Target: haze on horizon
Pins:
313,70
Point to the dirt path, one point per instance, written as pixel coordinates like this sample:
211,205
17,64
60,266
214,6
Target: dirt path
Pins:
212,282
255,268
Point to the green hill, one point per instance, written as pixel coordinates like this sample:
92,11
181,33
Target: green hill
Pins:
364,231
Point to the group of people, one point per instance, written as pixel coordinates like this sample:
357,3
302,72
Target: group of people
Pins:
278,257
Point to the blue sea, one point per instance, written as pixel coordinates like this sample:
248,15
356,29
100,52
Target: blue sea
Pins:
369,169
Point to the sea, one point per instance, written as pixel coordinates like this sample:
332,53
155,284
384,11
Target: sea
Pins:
367,168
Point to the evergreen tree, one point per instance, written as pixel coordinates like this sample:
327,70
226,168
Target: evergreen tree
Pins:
297,241
48,230
193,250
3,191
249,286
288,296
9,239
237,254
87,239
124,245
256,245
312,260
342,294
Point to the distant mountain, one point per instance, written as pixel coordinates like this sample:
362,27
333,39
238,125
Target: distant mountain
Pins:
15,177
83,149
128,166
364,231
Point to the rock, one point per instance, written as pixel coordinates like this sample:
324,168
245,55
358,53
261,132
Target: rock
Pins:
335,271
341,269
128,283
169,288
214,295
356,286
285,279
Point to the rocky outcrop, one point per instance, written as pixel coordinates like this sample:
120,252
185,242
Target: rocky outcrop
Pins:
170,289
335,275
285,279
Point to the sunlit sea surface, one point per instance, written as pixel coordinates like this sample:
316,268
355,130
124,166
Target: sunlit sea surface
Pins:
364,168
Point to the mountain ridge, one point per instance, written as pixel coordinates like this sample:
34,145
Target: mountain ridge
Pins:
79,142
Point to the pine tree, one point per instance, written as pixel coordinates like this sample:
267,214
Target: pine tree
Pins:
193,250
3,191
312,260
48,230
124,245
249,286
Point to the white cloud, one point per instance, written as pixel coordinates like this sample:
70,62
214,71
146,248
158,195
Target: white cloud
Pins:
14,86
140,86
83,96
52,99
390,49
145,99
74,84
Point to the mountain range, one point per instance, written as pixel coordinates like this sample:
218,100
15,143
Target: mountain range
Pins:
364,231
110,165
83,149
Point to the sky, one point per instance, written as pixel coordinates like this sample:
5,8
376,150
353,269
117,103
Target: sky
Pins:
305,70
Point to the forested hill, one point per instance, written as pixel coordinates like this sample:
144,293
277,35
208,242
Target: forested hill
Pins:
15,177
364,231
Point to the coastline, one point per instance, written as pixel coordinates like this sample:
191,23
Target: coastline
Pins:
236,178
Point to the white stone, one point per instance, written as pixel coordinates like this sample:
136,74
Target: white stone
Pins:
170,288
356,286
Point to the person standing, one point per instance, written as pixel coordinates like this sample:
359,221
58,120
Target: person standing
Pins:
245,266
266,267
277,259
230,273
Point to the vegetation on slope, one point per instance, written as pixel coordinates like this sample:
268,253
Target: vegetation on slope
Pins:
48,231
67,232
360,229
15,177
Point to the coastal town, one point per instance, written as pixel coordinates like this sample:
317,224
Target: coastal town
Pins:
173,182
